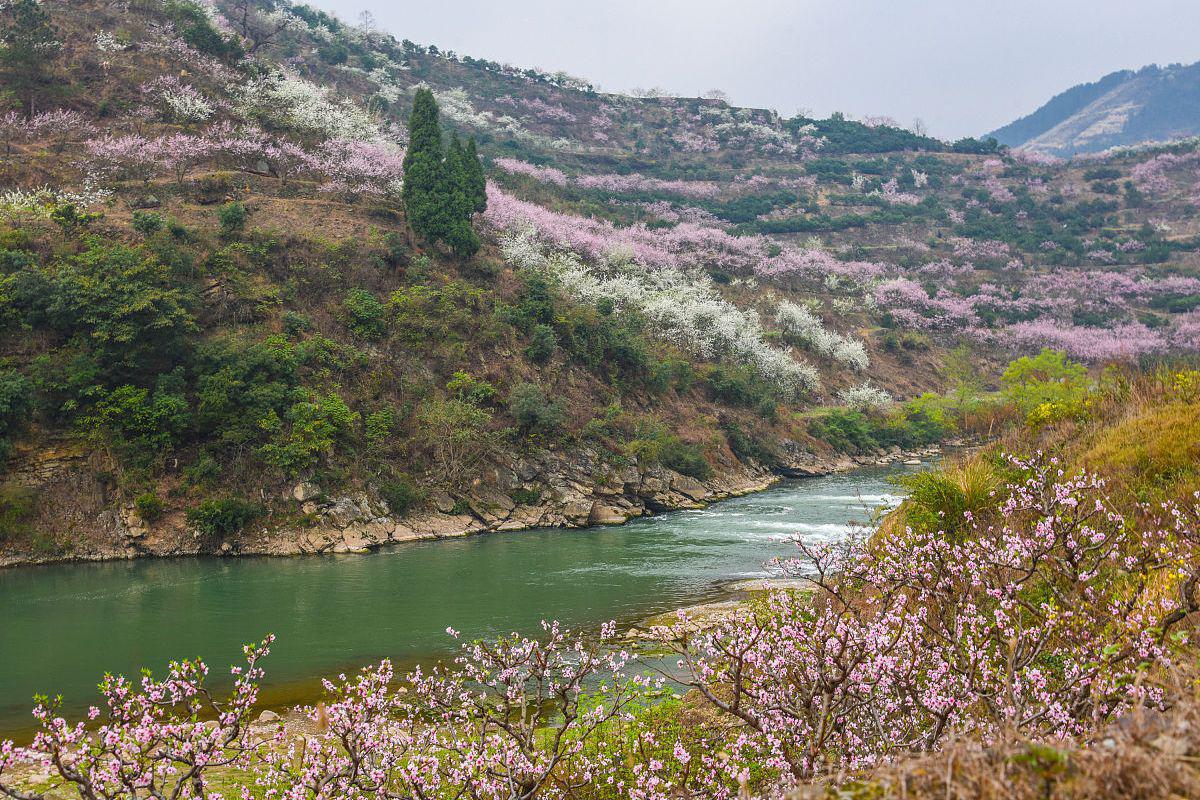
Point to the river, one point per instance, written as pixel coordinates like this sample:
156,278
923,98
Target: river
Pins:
63,626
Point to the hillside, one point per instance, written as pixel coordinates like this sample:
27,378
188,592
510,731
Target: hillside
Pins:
1153,104
222,335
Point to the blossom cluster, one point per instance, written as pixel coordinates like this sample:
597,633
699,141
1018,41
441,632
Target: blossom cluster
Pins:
801,324
682,307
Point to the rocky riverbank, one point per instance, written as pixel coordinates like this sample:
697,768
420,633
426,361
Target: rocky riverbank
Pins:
565,489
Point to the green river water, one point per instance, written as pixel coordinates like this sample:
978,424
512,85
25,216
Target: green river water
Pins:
63,626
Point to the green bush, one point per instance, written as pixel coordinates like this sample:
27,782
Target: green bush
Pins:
220,517
526,497
149,506
309,433
747,446
1046,387
16,507
542,345
147,223
463,386
739,386
401,494
233,219
365,316
16,405
684,457
138,426
534,413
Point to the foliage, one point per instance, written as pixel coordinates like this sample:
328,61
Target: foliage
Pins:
534,413
542,345
232,217
1046,387
308,432
16,405
401,494
683,457
30,45
17,504
222,517
457,434
365,315
440,186
149,506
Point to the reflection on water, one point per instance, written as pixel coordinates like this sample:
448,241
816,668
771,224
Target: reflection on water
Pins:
62,627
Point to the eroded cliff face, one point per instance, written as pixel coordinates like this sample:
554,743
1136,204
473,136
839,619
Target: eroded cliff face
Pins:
575,488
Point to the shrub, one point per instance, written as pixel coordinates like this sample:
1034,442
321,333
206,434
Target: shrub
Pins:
295,324
16,507
526,497
457,434
534,413
138,426
1046,387
401,494
463,386
683,457
737,386
149,506
542,345
16,404
311,430
147,223
220,517
939,500
378,427
365,316
233,219
747,446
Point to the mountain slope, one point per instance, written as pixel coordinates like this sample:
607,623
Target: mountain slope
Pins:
1123,108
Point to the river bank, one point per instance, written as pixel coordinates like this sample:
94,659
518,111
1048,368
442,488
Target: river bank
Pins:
340,611
550,489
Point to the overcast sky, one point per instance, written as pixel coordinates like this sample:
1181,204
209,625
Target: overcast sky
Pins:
963,66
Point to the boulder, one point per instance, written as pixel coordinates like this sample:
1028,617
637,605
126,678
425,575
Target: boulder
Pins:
604,514
305,491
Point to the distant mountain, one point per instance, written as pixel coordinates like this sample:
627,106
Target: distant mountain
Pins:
1124,108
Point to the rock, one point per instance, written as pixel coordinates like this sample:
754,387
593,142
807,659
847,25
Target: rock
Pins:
305,491
770,585
913,462
689,487
604,514
344,512
443,502
268,718
226,548
578,512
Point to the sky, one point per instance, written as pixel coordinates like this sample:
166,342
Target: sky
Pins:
963,67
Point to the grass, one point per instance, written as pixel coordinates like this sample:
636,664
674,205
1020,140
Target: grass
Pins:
1154,454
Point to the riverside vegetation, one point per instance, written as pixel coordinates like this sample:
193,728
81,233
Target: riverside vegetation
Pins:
1016,612
251,277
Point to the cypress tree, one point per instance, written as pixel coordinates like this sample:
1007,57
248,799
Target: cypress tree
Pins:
461,237
30,45
475,177
428,198
438,194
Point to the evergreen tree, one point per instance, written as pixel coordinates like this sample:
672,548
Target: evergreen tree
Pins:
428,196
29,45
461,237
475,177
438,194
